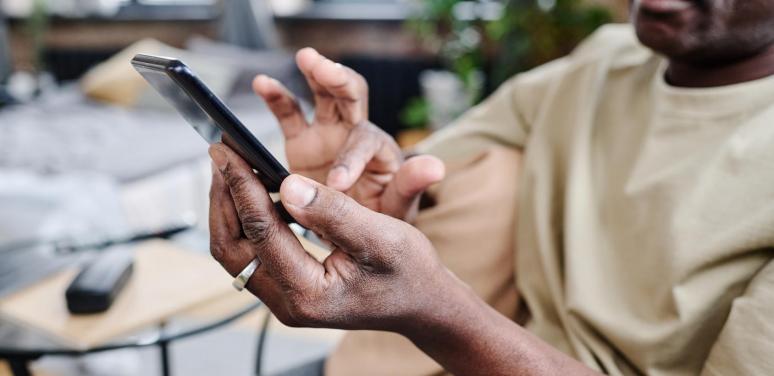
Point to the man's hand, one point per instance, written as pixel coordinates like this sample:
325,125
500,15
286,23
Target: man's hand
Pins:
340,147
382,274
377,270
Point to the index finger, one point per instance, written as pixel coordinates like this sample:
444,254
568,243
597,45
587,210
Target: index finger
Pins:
364,147
225,230
277,247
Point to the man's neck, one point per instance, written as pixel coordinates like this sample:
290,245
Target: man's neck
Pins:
751,68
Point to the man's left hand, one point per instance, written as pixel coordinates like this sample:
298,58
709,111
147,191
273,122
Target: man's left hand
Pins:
381,274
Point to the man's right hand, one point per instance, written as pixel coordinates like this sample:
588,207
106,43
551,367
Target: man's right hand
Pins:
341,148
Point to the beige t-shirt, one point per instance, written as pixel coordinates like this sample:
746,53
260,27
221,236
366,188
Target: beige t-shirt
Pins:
646,218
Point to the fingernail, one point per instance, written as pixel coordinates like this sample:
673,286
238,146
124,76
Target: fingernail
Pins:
218,158
300,192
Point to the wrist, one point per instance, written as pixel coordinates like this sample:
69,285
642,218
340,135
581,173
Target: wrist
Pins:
466,336
443,312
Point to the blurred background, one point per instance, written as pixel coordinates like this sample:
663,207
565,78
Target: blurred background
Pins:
89,156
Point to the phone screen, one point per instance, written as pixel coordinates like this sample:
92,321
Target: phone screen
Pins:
193,114
210,117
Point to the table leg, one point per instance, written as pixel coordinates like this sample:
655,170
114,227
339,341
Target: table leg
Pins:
164,349
19,367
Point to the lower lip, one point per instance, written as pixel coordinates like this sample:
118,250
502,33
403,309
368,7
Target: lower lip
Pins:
665,6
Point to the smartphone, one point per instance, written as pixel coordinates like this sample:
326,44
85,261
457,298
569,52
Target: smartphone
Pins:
210,117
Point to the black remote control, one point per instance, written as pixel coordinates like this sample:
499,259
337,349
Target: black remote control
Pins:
100,281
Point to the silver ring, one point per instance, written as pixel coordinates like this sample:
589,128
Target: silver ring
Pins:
241,280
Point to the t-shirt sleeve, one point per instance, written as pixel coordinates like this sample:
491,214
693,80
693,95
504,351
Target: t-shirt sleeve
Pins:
746,342
505,118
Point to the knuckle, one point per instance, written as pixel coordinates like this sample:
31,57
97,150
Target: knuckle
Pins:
395,237
365,128
396,240
258,227
218,250
234,179
339,208
374,134
361,140
287,107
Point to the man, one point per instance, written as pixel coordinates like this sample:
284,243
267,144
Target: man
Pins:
645,222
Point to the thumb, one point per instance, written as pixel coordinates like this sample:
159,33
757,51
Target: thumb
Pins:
337,217
414,177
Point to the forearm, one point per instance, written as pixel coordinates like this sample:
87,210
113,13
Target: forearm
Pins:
467,337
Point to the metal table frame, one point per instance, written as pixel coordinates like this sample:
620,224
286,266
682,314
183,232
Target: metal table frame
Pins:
19,359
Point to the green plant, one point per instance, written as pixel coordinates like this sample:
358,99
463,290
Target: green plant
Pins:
36,27
498,38
415,114
531,33
457,40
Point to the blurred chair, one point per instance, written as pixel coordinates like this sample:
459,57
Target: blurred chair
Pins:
249,24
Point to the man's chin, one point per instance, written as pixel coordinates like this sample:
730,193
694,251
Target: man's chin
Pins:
667,30
668,37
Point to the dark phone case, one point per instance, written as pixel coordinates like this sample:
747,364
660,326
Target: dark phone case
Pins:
210,117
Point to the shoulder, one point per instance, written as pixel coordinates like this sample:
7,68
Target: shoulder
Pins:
612,45
611,51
